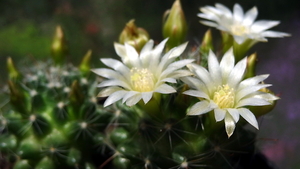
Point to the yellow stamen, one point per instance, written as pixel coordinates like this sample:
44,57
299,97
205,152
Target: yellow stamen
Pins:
142,80
224,97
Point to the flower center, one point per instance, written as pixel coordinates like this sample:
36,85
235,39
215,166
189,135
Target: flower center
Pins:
224,97
239,30
142,80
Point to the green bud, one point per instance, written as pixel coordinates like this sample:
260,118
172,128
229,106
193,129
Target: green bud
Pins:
85,66
119,135
13,73
22,164
59,49
251,65
121,162
134,36
45,163
18,98
74,157
240,50
29,148
175,26
227,41
8,143
207,43
76,96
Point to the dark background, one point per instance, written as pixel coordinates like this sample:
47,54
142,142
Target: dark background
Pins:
27,28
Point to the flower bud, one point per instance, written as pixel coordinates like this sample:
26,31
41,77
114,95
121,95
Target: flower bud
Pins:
174,27
18,98
85,66
227,41
76,95
13,73
134,36
59,48
206,44
251,65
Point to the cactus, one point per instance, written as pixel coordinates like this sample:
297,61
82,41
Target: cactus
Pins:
141,119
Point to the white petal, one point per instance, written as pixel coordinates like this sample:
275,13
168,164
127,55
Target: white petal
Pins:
108,91
133,56
156,54
265,96
121,51
204,75
274,34
219,114
229,124
128,95
108,73
169,80
146,96
248,90
114,82
178,50
208,23
114,97
262,25
134,99
116,65
146,54
196,93
200,108
224,10
252,81
176,65
238,13
180,73
237,73
214,68
227,63
195,83
252,102
234,114
250,16
249,117
165,89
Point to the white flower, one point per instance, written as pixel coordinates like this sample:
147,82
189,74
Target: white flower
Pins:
223,90
141,75
241,26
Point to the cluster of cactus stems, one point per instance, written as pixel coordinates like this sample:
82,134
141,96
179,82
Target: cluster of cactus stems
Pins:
55,120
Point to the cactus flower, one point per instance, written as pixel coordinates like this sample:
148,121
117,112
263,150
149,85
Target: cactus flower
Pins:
241,26
141,75
222,90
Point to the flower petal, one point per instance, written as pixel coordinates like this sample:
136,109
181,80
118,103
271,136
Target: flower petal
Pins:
146,96
248,116
108,91
114,82
133,56
200,108
262,25
227,63
134,99
121,51
219,114
237,73
274,34
165,89
250,16
238,13
229,124
146,53
248,90
214,68
252,81
196,93
234,114
252,102
116,65
114,97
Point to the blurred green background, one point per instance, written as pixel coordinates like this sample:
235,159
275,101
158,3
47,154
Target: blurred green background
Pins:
27,28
